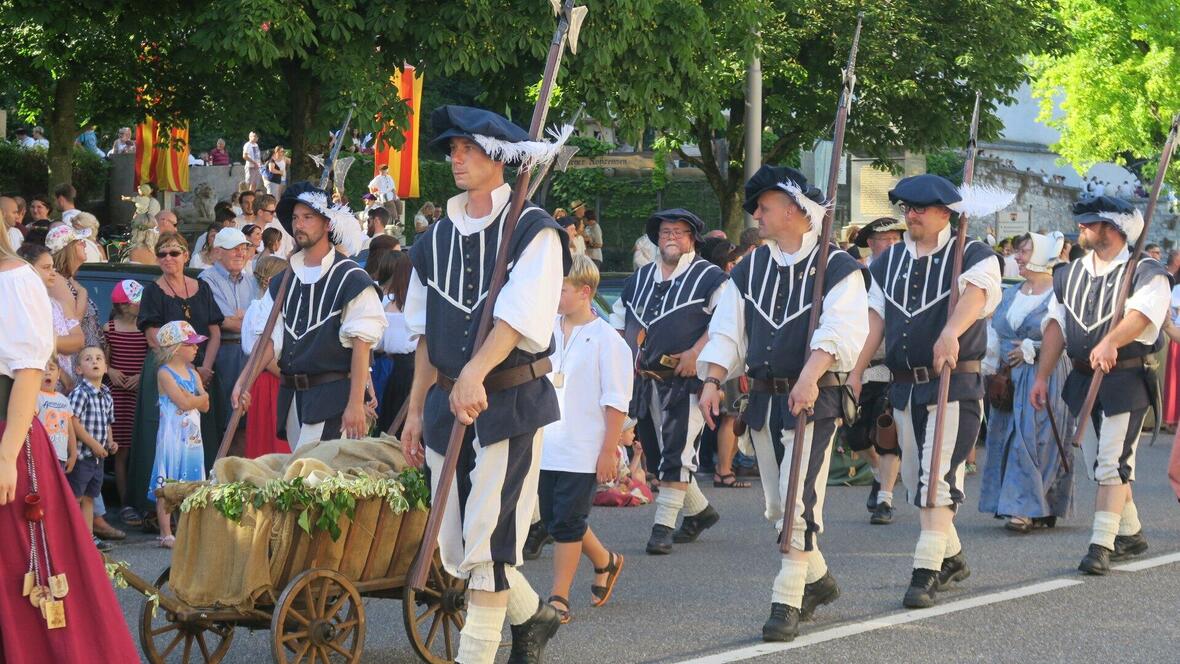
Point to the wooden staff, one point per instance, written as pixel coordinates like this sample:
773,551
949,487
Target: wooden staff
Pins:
1129,273
1061,449
944,376
568,25
254,363
821,264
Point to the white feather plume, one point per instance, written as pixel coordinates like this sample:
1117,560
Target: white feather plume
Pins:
344,229
526,155
815,211
980,200
1130,223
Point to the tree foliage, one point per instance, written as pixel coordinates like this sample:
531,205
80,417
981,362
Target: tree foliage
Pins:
1117,81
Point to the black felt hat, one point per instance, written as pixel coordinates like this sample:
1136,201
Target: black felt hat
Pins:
881,225
925,189
301,192
781,178
1114,211
674,214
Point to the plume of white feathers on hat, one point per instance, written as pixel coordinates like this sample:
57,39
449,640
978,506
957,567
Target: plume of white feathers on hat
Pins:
980,200
1130,223
526,155
343,228
815,211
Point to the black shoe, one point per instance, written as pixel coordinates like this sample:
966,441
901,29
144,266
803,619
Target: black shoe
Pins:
783,623
661,540
882,515
535,543
1126,546
103,545
923,585
529,638
953,569
1097,561
871,503
692,526
818,593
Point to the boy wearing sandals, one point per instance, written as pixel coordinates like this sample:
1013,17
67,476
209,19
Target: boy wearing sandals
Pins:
593,376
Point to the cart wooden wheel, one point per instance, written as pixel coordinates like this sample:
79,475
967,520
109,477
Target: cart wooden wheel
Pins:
165,639
435,615
318,618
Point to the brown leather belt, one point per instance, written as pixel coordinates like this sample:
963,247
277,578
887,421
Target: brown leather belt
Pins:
302,382
784,385
923,375
1083,366
504,379
656,374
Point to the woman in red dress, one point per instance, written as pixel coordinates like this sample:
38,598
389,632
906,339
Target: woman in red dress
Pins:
262,423
82,618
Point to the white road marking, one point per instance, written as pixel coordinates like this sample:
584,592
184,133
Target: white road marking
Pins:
890,620
1148,563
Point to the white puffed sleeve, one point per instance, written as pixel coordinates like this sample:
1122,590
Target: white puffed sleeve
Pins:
27,333
253,326
876,298
415,309
1151,300
991,359
726,346
844,322
615,370
528,301
985,275
363,318
618,314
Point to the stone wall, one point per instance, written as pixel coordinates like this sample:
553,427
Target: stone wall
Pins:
207,186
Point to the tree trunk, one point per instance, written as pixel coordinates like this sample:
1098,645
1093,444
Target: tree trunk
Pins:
733,217
63,126
304,103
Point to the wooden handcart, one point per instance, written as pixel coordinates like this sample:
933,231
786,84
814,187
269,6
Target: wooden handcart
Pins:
315,611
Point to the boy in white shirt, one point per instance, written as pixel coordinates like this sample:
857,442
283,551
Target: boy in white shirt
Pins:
593,375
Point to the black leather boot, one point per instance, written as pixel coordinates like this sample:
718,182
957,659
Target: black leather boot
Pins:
529,638
953,569
1126,546
692,526
660,543
783,623
818,593
923,585
535,543
1097,561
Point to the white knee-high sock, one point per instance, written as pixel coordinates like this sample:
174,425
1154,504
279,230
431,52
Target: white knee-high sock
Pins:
930,549
480,637
788,585
1129,525
1106,528
886,497
695,502
817,567
523,601
668,506
953,545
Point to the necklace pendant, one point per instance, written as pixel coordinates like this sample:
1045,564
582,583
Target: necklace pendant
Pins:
558,380
30,582
54,611
59,586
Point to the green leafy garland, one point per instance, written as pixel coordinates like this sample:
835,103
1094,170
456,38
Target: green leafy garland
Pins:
330,500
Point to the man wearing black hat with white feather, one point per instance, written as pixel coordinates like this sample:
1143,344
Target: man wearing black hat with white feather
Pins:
331,317
664,313
760,328
1078,322
908,302
499,391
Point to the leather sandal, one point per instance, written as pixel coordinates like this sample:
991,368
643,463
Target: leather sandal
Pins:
600,594
565,614
729,481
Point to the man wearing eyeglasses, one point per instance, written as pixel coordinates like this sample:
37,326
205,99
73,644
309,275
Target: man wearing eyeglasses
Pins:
265,206
233,291
664,315
908,302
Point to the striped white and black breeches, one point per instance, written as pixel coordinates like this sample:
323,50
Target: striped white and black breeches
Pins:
915,435
490,506
773,447
1110,444
678,423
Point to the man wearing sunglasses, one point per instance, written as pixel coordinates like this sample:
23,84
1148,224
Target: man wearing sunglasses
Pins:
1086,289
664,315
265,206
908,302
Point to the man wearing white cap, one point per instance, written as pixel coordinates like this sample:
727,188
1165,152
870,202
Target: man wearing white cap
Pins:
233,291
1078,323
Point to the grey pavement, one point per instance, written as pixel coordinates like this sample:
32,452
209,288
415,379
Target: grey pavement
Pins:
711,597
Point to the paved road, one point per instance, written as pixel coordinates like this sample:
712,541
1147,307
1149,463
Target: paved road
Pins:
707,601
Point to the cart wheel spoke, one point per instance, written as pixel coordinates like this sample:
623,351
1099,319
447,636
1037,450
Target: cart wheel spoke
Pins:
337,647
430,611
172,645
292,612
450,649
301,653
336,606
188,647
345,627
428,592
166,628
295,635
430,636
201,644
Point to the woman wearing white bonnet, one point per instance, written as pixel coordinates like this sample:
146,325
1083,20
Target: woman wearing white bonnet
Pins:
1024,479
86,228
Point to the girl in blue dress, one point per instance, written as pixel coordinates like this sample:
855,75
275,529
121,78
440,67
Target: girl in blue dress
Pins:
1024,479
180,453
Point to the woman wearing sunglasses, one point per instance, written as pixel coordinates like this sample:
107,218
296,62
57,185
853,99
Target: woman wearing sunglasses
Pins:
174,296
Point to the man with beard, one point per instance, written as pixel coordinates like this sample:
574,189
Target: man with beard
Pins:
500,390
331,317
1078,322
909,309
664,313
760,328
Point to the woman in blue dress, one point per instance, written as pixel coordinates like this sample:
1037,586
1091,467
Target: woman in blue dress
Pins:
1024,479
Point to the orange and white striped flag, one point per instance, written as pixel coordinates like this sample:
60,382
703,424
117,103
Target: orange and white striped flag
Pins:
403,163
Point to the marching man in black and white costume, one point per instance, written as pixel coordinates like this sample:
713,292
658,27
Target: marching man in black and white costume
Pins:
1078,322
664,313
908,302
500,391
331,317
760,328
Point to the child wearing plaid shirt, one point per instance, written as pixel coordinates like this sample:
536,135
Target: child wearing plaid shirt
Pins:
94,411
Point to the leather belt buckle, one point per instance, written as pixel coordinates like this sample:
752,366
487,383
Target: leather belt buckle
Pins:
921,375
301,382
669,361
